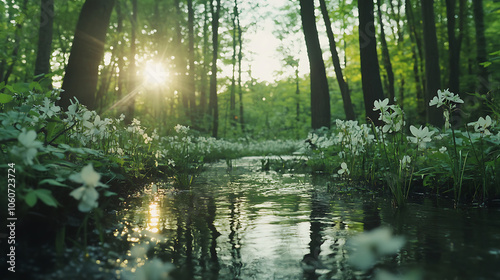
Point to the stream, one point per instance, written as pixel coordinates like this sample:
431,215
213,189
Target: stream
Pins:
245,223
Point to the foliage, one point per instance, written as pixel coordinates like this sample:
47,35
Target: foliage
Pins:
441,161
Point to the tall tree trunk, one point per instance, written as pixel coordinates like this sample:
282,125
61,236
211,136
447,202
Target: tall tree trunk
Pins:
386,59
232,95
132,72
344,88
191,80
213,102
370,71
432,72
121,63
180,61
203,84
415,49
482,74
240,58
320,96
80,80
42,64
454,49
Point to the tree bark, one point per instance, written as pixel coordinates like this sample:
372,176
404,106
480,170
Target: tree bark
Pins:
386,59
232,95
482,86
453,55
191,71
213,102
80,80
132,72
415,49
344,87
370,71
240,58
44,52
434,115
320,96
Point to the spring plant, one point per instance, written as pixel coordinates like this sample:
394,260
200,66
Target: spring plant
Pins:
393,144
458,160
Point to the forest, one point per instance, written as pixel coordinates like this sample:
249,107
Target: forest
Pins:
151,139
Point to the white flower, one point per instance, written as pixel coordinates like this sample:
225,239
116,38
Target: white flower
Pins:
86,194
369,246
181,129
380,104
343,169
482,125
421,135
29,146
49,109
405,162
442,149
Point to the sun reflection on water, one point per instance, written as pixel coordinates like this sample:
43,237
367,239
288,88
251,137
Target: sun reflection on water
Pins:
153,217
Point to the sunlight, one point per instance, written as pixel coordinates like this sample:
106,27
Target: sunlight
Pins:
155,73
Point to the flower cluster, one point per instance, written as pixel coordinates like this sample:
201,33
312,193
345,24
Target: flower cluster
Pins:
391,115
449,102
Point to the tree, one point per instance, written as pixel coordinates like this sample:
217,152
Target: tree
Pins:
416,50
344,87
386,59
80,79
432,71
42,64
191,71
213,102
240,58
453,47
132,72
320,96
370,71
482,74
232,95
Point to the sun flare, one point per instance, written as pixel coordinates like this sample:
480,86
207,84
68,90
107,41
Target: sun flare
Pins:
155,73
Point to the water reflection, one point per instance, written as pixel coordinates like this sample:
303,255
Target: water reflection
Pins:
264,225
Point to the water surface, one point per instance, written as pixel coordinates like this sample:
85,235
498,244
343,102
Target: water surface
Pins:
245,223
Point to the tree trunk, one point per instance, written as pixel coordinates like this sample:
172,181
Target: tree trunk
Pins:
434,115
180,61
213,102
42,64
415,49
232,95
192,79
80,80
482,75
240,58
454,48
203,86
370,71
344,88
132,72
386,59
320,96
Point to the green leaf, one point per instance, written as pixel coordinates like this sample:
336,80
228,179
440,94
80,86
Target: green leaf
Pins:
5,98
108,193
52,182
30,198
40,167
46,196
